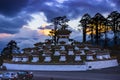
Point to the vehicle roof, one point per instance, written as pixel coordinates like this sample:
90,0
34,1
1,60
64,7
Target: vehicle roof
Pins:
9,72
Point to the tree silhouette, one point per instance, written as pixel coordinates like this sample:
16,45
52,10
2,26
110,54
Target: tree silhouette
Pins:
52,34
113,19
10,49
97,27
118,28
59,22
98,19
84,22
105,22
1,60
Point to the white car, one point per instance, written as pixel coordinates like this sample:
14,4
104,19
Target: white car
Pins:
1,75
9,76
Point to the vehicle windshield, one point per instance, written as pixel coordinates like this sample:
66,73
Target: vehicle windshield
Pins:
22,72
9,73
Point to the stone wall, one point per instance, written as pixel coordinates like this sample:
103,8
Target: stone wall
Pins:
46,67
101,64
87,66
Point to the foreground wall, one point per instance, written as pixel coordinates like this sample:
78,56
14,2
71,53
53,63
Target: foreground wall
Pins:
101,64
46,67
88,66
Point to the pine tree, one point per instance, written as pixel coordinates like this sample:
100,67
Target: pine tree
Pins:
7,52
84,22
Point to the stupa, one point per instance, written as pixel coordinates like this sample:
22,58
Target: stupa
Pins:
61,52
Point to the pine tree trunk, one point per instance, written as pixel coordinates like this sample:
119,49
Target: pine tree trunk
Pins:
97,33
84,34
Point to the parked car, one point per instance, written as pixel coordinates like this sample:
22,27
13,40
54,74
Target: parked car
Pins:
9,76
25,75
1,75
3,68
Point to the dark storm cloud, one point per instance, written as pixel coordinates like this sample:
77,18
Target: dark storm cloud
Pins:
12,16
46,27
12,7
41,6
70,8
15,13
12,25
11,10
80,7
117,2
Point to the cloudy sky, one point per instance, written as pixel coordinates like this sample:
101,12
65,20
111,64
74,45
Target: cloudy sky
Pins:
20,19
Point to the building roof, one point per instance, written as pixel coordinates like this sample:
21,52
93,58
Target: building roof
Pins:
70,47
86,48
102,52
63,32
89,53
63,52
62,47
63,39
20,55
38,44
77,52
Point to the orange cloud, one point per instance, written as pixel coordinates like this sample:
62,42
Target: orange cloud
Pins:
44,31
4,35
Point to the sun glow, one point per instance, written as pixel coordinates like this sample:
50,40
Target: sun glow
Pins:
39,20
44,31
101,29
